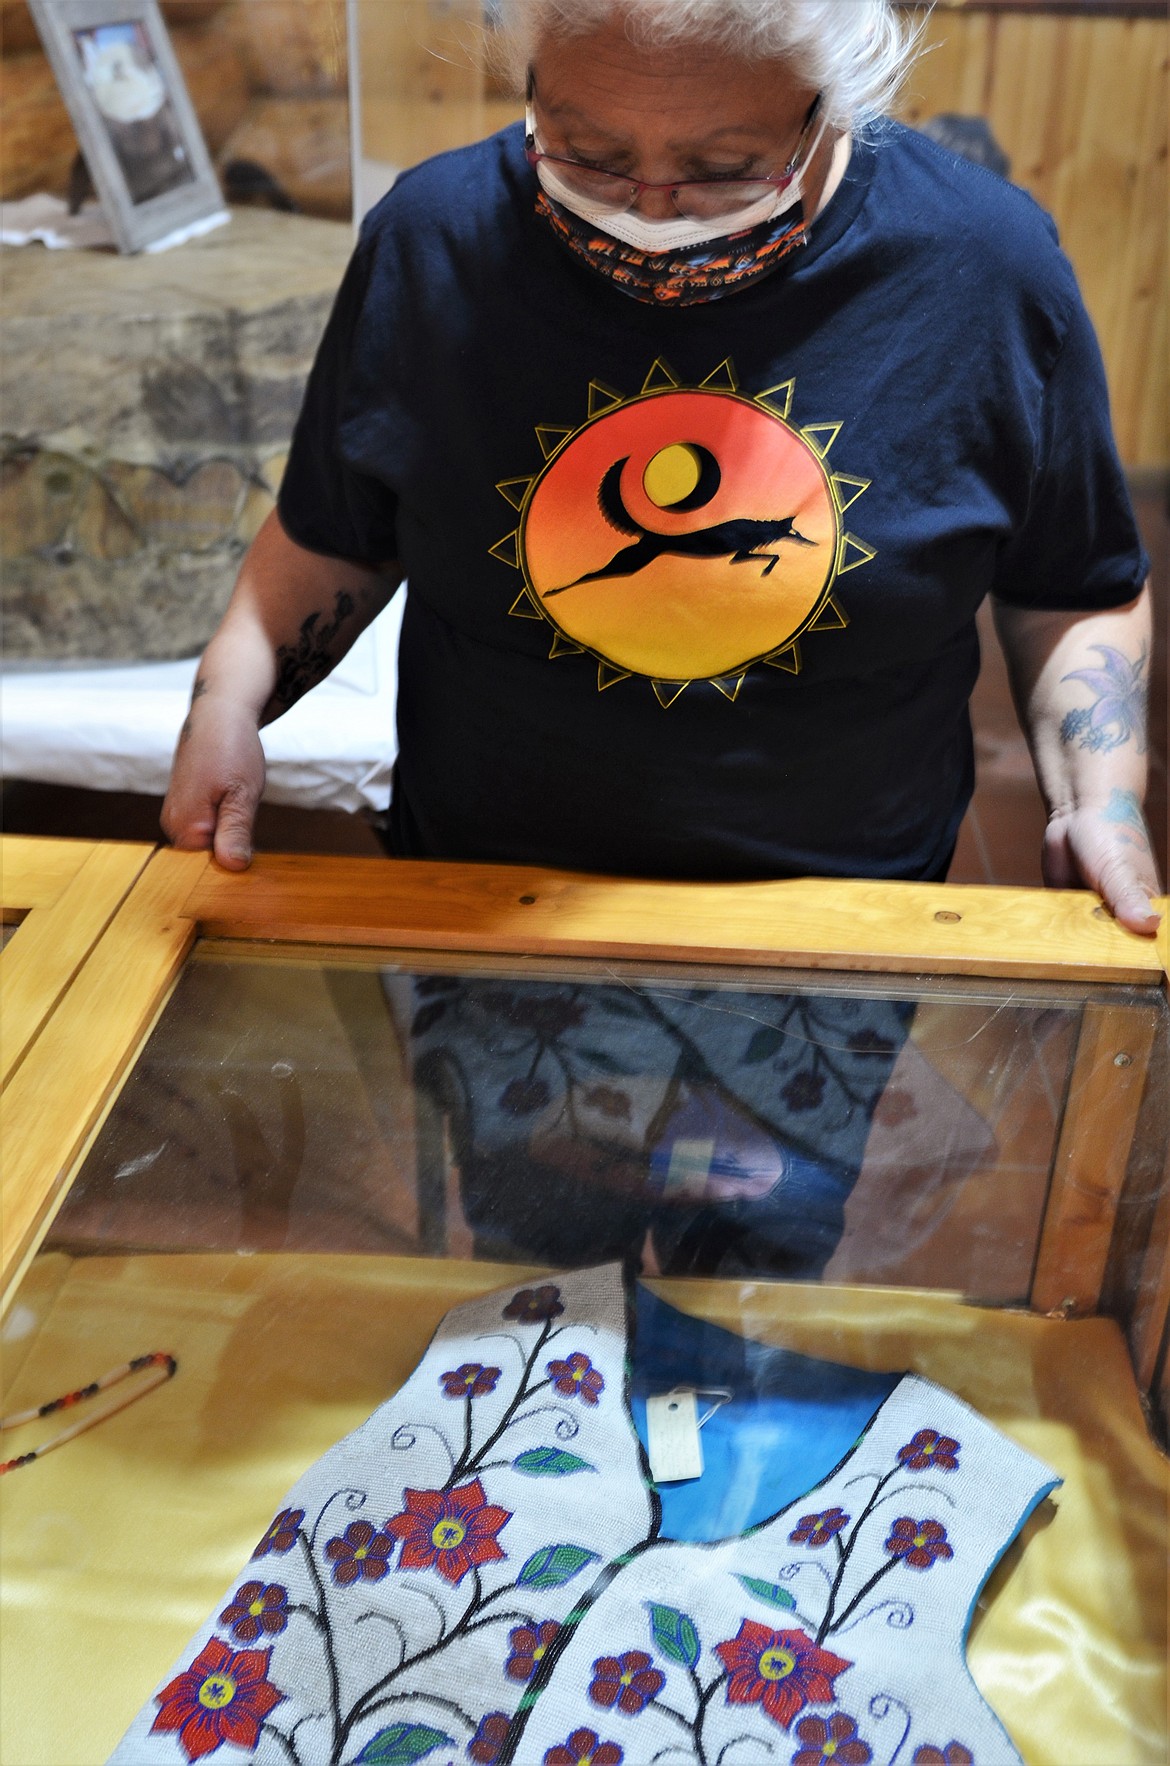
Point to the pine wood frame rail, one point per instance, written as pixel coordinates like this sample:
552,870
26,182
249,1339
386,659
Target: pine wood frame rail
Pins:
57,1098
62,894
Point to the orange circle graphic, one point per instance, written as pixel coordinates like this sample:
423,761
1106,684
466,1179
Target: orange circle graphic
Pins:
683,536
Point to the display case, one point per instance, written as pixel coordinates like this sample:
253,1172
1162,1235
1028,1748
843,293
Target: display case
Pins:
820,1135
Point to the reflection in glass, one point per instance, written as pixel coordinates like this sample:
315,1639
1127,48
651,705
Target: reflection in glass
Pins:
721,1129
716,1122
424,84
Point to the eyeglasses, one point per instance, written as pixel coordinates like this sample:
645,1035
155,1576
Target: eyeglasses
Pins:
698,199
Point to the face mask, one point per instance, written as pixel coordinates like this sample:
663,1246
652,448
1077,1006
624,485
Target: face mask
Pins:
683,261
681,232
687,274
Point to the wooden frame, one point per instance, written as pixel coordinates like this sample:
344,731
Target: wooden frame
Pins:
62,894
60,1093
116,148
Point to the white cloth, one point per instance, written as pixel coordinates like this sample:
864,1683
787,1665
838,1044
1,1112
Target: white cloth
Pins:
115,729
45,220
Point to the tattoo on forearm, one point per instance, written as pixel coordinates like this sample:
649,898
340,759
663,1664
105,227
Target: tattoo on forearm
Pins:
197,692
301,665
1118,712
1125,810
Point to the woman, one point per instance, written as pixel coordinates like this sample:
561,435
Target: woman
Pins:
701,414
738,403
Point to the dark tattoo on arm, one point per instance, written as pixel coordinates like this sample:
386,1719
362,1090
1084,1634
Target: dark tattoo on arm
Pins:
1118,711
302,665
197,692
1125,811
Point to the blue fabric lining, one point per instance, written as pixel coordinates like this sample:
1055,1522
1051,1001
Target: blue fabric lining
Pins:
791,1421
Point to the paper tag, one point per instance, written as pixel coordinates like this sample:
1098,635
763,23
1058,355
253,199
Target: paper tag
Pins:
672,1431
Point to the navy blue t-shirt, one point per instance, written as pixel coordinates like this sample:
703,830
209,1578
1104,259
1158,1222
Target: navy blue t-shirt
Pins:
692,590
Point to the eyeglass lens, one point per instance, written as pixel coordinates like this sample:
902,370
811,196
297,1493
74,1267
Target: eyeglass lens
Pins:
698,200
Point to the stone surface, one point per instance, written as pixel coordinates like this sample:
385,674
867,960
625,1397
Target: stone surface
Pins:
148,405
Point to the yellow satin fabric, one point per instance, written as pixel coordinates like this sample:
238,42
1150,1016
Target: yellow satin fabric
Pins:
116,1547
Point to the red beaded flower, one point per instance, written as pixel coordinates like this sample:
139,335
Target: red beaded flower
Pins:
535,1305
895,1106
576,1378
780,1670
832,1738
804,1091
487,1744
450,1531
819,1529
609,1101
528,1644
627,1681
472,1380
953,1754
918,1543
870,1042
361,1553
584,1748
282,1533
224,1695
549,1015
256,1609
929,1448
524,1097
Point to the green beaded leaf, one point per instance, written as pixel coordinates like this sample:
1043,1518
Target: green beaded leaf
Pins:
401,1745
769,1592
675,1634
766,1042
550,1462
554,1565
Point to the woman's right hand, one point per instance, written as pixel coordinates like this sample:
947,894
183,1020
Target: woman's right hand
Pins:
217,781
292,616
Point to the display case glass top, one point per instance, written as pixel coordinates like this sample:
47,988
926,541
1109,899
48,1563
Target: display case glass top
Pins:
707,1119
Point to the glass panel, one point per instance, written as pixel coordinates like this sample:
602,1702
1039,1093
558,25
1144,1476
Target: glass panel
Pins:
426,83
711,1122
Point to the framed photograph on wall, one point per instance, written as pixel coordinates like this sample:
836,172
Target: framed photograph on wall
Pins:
136,125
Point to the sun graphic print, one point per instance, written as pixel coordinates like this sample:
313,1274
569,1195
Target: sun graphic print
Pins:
683,534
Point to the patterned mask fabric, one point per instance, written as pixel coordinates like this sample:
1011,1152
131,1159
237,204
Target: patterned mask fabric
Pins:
682,275
479,1573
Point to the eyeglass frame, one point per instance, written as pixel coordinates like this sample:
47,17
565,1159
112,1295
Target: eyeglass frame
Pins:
637,186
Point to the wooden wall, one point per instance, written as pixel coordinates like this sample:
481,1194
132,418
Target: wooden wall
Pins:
1078,101
422,79
1079,105
268,79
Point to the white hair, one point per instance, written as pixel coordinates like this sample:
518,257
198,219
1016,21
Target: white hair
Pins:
857,52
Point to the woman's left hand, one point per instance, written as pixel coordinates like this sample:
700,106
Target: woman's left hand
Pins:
1106,847
1080,682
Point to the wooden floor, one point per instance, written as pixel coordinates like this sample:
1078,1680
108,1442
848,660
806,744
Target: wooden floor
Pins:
998,843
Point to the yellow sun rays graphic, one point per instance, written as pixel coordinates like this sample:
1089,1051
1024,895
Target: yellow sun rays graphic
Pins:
683,533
